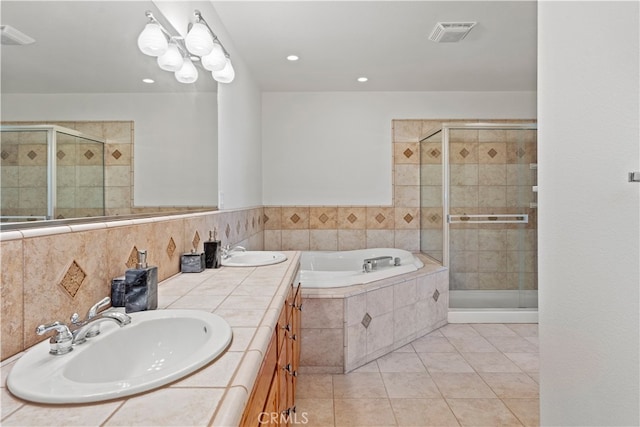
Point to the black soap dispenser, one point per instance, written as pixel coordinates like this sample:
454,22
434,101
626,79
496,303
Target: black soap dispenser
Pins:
212,251
141,285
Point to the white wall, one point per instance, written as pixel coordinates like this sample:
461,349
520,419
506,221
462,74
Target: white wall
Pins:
589,215
175,147
334,148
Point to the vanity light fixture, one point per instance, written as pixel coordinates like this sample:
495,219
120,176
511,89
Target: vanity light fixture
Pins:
177,54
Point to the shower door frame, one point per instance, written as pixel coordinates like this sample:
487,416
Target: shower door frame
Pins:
446,127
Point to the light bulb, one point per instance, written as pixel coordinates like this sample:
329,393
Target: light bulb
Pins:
226,75
171,60
152,40
188,73
216,60
199,40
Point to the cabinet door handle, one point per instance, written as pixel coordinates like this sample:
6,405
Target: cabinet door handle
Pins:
294,337
287,368
287,327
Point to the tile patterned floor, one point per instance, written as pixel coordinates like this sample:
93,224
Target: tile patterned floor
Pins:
459,375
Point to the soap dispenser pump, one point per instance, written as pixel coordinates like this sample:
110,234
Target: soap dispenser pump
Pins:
213,251
141,285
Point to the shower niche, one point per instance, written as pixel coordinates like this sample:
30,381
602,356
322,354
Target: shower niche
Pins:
478,185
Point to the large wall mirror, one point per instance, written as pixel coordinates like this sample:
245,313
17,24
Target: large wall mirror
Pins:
84,72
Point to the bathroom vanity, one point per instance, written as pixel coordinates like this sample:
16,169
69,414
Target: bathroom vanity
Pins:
254,380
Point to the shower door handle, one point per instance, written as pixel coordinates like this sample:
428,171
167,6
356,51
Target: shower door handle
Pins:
634,176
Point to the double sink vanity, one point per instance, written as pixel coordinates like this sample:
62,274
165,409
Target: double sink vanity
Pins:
226,341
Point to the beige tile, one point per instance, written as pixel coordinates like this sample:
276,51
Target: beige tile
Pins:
472,344
363,385
380,218
313,412
524,329
406,174
272,218
433,344
323,217
363,412
409,240
11,290
513,344
482,412
70,415
180,407
295,240
490,362
323,312
407,196
511,384
216,374
380,238
400,362
314,386
406,153
323,240
322,347
198,302
527,410
407,218
410,385
369,367
528,362
462,385
423,412
352,218
445,362
407,130
351,239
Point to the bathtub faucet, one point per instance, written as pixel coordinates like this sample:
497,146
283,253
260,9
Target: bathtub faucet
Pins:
372,263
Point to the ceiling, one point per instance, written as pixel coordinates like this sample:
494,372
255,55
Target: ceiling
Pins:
337,42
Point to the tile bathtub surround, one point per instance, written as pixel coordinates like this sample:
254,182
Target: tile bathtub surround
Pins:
250,299
50,273
345,328
433,382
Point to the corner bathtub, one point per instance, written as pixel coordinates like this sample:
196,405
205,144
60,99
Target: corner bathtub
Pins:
345,268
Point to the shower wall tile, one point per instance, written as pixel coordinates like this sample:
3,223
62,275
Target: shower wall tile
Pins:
117,176
491,240
492,174
33,199
492,261
117,198
463,174
431,174
431,196
407,218
119,132
11,301
91,128
406,153
118,154
32,154
323,217
431,153
407,174
272,240
493,135
430,126
9,176
32,176
463,152
407,196
407,130
431,218
431,240
9,154
492,153
492,197
409,240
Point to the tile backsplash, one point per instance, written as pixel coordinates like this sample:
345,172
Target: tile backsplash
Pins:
50,273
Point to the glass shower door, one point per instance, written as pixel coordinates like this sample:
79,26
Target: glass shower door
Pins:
491,215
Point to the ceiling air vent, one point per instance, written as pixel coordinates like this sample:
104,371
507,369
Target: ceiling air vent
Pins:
447,32
12,36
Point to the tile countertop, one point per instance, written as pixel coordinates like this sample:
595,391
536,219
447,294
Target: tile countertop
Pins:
249,299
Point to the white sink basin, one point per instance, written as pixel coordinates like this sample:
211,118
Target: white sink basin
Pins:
156,348
253,258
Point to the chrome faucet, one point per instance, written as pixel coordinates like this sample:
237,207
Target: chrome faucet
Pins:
81,334
62,342
93,311
228,250
372,263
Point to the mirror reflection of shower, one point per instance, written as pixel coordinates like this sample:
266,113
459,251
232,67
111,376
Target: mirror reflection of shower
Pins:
50,172
479,212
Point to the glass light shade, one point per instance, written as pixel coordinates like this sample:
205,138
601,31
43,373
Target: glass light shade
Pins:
215,61
226,75
188,73
152,40
172,59
199,40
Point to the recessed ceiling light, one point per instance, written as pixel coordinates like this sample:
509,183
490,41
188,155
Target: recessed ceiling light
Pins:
362,79
148,81
293,57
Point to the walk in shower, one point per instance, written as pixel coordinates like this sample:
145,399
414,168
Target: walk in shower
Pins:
479,217
50,172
